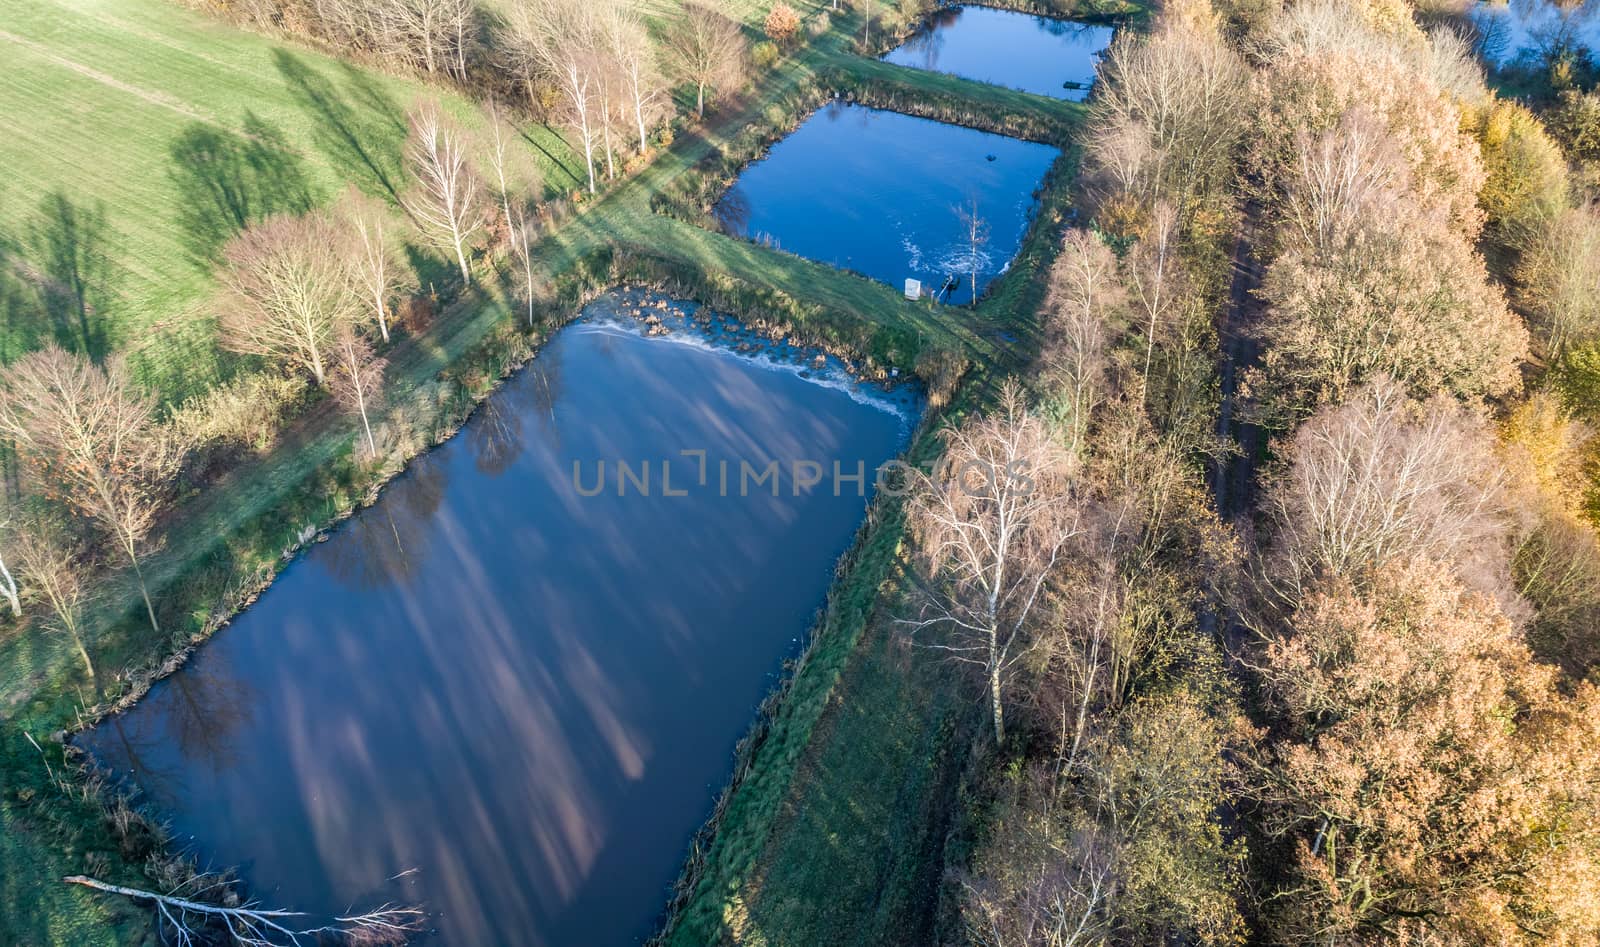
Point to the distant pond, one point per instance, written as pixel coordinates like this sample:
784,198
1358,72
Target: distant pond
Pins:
880,193
502,698
1530,30
1037,54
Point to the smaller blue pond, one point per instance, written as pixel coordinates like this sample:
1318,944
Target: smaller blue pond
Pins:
1036,54
883,194
1534,31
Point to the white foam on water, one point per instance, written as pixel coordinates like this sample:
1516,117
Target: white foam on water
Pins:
832,376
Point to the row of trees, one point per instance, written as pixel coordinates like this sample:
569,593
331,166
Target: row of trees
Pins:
592,65
1057,552
1421,765
1077,587
1410,601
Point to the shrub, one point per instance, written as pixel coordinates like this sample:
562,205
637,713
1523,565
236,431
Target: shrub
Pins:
782,24
1527,177
1575,123
246,411
820,24
764,54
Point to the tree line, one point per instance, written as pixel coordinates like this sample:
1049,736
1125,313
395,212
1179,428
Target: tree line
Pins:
1356,702
590,66
313,298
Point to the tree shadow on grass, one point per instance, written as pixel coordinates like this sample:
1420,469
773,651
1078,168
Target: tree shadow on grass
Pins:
361,130
68,244
226,181
56,279
575,175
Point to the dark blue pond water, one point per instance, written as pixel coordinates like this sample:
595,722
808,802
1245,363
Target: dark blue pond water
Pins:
1531,31
880,193
1036,54
524,696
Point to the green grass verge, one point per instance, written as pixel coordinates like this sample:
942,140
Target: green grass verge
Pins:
140,135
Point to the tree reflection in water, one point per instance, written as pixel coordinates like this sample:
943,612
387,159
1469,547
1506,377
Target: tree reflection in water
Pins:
387,544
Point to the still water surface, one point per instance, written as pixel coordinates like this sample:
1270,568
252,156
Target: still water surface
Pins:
1036,54
524,697
1530,30
877,192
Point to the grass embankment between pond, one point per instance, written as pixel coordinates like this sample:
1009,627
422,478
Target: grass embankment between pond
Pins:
832,829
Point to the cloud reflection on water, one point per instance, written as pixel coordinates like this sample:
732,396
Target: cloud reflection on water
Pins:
527,695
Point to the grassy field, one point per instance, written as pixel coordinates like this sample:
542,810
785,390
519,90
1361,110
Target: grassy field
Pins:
816,823
139,136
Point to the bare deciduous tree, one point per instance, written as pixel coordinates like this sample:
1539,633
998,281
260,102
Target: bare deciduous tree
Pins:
447,199
1383,479
436,35
52,566
287,286
1181,88
357,379
561,41
990,528
1084,292
707,49
514,177
1341,177
975,234
523,234
373,266
95,444
633,56
1156,277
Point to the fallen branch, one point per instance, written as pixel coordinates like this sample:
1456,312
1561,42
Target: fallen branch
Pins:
251,926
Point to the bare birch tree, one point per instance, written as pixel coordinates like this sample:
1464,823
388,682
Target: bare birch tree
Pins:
434,35
990,527
373,266
560,40
499,152
446,201
51,564
1084,292
523,234
975,233
1182,89
510,176
634,59
1339,178
287,285
707,49
95,444
8,583
1155,274
357,379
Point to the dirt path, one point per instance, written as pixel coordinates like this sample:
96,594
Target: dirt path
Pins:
1233,481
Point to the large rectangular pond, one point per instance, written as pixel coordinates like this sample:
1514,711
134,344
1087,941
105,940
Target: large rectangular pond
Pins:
879,193
1035,54
502,698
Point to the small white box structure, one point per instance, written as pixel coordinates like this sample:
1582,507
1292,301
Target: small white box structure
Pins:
913,288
